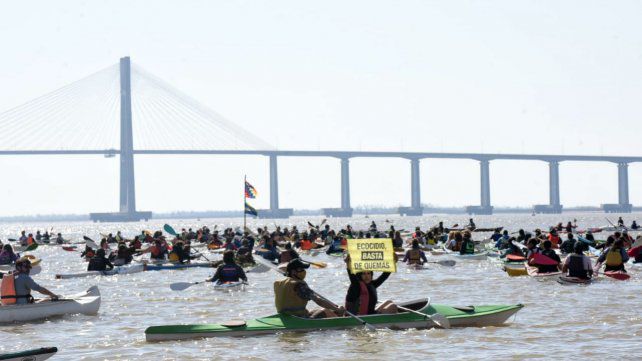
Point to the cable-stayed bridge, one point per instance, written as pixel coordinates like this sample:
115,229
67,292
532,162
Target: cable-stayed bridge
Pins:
123,110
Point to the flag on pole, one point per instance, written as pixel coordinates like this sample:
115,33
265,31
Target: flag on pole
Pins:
250,210
250,191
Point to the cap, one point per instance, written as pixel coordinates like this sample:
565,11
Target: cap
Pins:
296,264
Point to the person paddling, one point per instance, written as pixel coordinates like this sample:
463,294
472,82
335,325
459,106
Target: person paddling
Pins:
577,264
99,262
7,256
16,287
288,254
613,257
415,256
550,253
229,271
467,244
568,245
123,255
292,294
361,298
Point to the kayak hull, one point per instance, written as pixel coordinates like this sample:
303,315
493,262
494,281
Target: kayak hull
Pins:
169,266
564,280
38,354
533,272
135,268
479,316
86,303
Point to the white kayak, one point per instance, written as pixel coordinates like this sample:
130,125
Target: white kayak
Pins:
472,257
87,303
38,354
230,286
118,270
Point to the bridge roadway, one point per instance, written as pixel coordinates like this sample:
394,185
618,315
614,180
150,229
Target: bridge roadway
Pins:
415,208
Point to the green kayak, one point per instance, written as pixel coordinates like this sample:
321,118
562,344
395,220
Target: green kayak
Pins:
469,316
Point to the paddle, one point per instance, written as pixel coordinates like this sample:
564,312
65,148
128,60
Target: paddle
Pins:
90,242
446,262
366,324
438,319
169,229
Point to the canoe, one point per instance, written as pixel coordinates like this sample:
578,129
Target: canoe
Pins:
618,275
127,269
37,354
565,280
471,257
470,316
170,266
534,272
86,303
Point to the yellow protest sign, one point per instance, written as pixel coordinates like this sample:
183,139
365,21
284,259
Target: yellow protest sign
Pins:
372,254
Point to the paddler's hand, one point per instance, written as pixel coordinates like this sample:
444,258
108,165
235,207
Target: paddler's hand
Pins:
341,311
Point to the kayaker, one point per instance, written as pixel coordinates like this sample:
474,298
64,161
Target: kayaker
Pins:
634,225
7,256
531,249
179,253
496,235
38,235
269,250
589,236
46,236
335,246
16,287
613,257
577,264
229,271
523,237
569,227
568,245
244,254
123,256
373,227
620,222
550,253
467,244
288,254
454,244
59,239
471,225
157,251
23,239
504,241
361,298
99,262
397,241
554,238
292,294
627,239
88,253
415,255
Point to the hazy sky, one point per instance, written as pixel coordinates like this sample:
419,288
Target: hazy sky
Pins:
456,76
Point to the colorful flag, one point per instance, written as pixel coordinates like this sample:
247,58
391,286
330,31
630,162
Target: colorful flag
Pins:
250,192
250,210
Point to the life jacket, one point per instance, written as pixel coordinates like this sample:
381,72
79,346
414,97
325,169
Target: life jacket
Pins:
90,254
30,241
555,240
285,256
306,245
286,299
613,258
173,257
468,247
229,273
414,256
344,242
8,291
576,267
157,252
96,264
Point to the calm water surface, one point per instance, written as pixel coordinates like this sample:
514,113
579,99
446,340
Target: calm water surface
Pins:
599,321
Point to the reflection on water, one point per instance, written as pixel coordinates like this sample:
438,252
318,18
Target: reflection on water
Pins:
597,321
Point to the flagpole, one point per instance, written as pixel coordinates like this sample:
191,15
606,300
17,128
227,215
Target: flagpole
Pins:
244,213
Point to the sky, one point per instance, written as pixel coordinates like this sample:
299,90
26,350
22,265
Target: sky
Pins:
455,76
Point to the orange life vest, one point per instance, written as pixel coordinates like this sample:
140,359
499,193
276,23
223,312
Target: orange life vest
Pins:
8,290
306,245
30,241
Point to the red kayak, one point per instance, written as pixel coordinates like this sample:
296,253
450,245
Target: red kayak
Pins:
618,275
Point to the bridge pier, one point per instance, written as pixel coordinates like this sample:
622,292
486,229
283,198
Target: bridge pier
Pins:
128,211
345,210
553,206
415,208
274,211
485,207
623,205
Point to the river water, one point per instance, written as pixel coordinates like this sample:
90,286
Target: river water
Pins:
602,320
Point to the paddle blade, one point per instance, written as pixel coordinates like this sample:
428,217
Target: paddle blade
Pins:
179,286
169,229
514,257
440,320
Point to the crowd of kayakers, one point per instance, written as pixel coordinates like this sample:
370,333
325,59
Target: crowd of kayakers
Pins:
283,246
